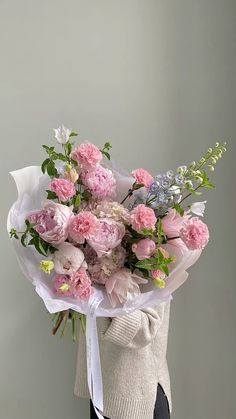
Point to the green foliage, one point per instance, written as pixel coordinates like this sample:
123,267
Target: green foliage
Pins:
178,208
158,261
13,234
105,150
51,194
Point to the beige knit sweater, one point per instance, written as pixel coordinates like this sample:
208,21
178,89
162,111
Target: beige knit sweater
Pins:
133,360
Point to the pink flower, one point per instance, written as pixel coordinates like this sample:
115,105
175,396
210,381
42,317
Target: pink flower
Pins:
68,259
195,234
142,177
81,284
100,181
157,273
62,285
63,188
106,237
100,269
78,285
82,225
87,155
172,224
51,222
143,217
144,248
121,283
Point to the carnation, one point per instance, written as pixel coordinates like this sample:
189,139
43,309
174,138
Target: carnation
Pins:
195,234
51,222
143,217
87,155
63,188
99,181
142,177
82,225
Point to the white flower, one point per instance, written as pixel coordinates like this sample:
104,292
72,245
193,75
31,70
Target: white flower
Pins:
68,259
62,134
198,208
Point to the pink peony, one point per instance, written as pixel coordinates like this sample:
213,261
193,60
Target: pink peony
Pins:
100,181
81,284
63,188
144,248
142,218
68,259
82,225
121,283
51,222
195,234
62,285
87,155
142,177
106,237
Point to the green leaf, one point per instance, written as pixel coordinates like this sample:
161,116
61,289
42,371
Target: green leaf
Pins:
107,145
77,201
73,134
13,233
44,165
51,194
38,243
105,153
24,239
179,209
51,169
49,150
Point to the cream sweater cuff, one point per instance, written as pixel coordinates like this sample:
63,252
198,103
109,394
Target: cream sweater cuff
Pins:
123,329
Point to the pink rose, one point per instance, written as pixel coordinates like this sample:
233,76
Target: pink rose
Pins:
143,217
62,285
68,259
100,181
63,188
87,155
81,284
121,283
106,237
144,248
82,225
51,222
142,177
195,234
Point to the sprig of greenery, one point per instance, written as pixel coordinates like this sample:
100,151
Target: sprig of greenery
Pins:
158,261
105,150
30,237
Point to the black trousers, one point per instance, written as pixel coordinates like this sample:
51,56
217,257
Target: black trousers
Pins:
161,410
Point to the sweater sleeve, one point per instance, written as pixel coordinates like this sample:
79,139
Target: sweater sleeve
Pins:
137,329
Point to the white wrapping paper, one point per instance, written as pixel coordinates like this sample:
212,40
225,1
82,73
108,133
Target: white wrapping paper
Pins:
31,186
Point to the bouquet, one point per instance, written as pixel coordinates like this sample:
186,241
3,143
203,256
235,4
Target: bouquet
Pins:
82,227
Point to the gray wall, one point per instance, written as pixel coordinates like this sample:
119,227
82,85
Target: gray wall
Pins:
158,79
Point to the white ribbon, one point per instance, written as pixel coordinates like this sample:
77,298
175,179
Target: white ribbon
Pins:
94,372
